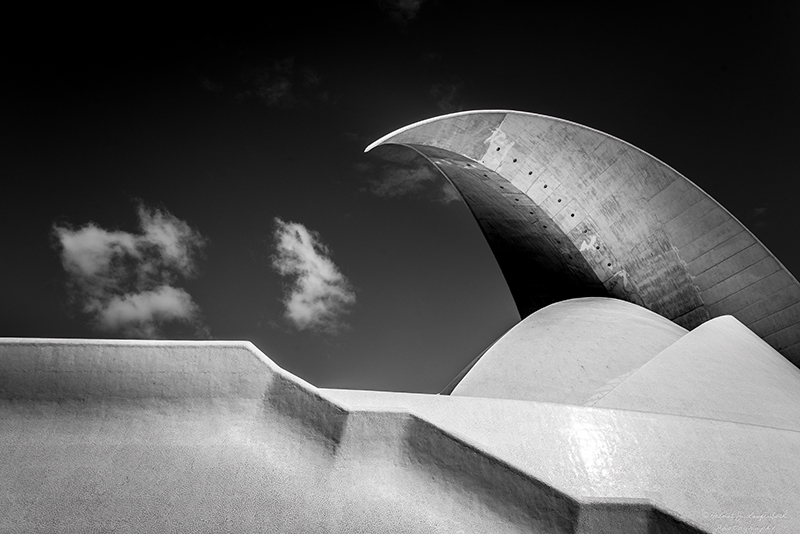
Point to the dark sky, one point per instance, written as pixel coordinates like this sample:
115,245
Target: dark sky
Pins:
219,126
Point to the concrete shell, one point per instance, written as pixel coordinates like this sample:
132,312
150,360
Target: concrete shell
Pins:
720,371
613,354
572,212
569,351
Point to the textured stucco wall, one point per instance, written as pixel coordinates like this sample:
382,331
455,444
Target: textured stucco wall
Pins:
120,436
130,442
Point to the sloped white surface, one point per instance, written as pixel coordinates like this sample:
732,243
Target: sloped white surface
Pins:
720,370
568,350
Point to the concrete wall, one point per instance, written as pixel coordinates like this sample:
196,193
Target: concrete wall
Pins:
570,211
722,476
213,436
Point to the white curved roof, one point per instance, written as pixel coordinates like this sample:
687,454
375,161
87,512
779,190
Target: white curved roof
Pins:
569,351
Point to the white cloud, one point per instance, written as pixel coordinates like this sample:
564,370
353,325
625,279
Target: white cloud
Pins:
448,96
398,179
282,84
124,281
138,314
319,294
449,193
175,239
401,11
88,252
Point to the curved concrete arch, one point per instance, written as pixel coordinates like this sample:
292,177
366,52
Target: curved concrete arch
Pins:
569,212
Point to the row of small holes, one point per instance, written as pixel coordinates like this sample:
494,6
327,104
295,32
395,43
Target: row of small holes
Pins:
515,160
545,185
529,174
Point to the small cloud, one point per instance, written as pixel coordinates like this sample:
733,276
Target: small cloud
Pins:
310,77
319,293
759,217
364,166
357,138
274,84
449,193
401,11
281,84
139,314
414,177
275,91
432,56
125,282
448,96
212,86
402,179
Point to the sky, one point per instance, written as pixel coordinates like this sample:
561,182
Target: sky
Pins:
204,177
